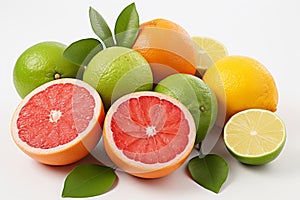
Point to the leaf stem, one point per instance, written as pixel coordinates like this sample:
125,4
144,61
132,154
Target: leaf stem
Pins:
201,154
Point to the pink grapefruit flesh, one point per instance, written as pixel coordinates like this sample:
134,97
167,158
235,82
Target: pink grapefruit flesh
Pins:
59,122
148,134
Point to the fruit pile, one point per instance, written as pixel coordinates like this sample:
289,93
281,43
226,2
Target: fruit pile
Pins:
153,90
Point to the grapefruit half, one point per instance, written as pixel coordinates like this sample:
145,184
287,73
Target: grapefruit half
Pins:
148,134
59,122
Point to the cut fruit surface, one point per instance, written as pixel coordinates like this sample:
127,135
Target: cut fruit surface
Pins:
255,136
59,122
199,99
209,51
148,134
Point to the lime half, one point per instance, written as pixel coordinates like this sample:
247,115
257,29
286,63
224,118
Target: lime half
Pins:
255,136
210,51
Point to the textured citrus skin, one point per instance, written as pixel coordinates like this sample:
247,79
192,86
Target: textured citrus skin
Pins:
70,152
192,92
241,83
166,24
167,47
117,71
39,64
137,168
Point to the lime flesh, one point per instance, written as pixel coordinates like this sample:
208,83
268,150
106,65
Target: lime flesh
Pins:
255,136
210,51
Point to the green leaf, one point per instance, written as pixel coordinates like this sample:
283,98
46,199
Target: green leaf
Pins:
127,26
82,51
210,171
101,28
88,180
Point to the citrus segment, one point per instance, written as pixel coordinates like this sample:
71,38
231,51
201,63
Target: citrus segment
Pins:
148,134
59,122
192,92
255,136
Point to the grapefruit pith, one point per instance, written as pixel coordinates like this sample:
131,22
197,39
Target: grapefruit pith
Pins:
148,134
59,122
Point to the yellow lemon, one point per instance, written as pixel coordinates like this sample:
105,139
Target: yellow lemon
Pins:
241,83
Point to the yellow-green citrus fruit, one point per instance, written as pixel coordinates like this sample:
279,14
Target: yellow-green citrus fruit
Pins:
192,92
255,136
39,64
210,51
117,71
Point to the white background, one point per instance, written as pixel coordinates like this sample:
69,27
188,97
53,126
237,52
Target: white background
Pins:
267,30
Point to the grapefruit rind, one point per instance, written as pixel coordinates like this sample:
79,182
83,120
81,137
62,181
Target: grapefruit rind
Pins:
261,158
74,150
138,168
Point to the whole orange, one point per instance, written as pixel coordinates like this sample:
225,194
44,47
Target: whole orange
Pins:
167,47
166,24
241,83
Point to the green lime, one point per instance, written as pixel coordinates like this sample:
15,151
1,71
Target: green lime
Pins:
192,92
39,64
117,71
255,136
